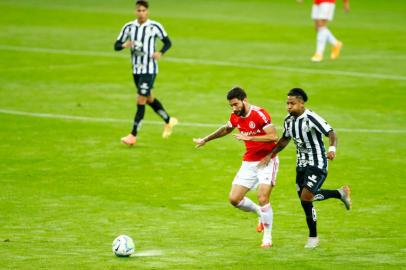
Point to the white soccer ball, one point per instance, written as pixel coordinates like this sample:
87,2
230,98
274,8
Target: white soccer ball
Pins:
123,246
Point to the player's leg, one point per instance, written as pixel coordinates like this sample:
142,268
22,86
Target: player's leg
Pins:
143,92
238,199
159,109
304,188
243,182
321,14
267,180
343,194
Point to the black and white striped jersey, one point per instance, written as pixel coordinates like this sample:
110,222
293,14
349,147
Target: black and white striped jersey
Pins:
306,131
144,37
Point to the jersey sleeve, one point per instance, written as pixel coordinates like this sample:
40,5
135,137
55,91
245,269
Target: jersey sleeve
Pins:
264,119
232,122
124,33
160,31
319,123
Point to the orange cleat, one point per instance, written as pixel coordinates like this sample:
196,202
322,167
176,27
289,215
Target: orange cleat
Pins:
168,127
129,140
336,50
260,227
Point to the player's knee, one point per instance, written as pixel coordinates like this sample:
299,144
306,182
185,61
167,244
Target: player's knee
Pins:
263,199
306,196
234,200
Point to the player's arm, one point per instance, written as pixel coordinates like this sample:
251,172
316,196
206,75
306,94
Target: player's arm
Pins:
332,137
222,131
167,44
270,135
282,143
123,39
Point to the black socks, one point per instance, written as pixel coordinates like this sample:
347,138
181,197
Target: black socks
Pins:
138,118
310,213
159,109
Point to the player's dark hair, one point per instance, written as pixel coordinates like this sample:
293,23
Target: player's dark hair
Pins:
299,93
142,3
236,92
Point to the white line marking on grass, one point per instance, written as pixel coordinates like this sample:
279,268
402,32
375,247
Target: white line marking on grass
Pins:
186,124
148,253
216,63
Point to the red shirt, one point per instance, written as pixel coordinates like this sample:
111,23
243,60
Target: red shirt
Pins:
318,2
253,125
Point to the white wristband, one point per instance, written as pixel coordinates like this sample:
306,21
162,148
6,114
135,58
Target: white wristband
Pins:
332,149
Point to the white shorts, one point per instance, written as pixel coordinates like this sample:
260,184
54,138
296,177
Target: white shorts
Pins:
251,176
323,11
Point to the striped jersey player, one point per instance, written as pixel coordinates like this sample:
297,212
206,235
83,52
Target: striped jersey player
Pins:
306,129
259,136
139,36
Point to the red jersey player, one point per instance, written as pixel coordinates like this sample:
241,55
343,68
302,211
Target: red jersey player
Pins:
322,13
260,137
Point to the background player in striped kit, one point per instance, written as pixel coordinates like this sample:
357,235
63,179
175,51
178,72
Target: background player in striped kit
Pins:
259,136
306,129
322,12
139,36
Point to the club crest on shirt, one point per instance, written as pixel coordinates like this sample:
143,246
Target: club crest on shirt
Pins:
251,124
306,126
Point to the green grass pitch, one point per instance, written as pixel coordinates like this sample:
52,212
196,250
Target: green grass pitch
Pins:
68,187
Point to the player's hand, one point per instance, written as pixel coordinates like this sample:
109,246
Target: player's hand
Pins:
265,161
128,44
242,137
199,142
156,55
331,155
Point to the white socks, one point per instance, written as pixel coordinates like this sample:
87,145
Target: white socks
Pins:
248,206
323,36
267,220
264,212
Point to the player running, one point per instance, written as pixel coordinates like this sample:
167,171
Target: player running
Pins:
259,136
322,13
306,128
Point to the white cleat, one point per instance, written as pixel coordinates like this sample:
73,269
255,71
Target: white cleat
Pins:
168,127
312,242
317,57
345,193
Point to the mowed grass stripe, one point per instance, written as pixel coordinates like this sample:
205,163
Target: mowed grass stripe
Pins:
216,63
186,124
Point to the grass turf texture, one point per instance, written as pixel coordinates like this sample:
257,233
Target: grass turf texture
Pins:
68,188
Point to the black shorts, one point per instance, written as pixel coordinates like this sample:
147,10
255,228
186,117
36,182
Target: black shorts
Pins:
310,177
144,83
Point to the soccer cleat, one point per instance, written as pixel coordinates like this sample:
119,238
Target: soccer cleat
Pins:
312,242
266,245
129,140
317,57
168,127
335,53
260,227
345,193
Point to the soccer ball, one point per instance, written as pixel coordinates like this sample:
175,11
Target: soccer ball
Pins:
123,246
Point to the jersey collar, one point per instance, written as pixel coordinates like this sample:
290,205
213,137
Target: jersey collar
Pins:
138,24
303,114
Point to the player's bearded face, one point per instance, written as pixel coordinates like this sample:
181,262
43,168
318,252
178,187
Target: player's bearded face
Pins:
237,106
